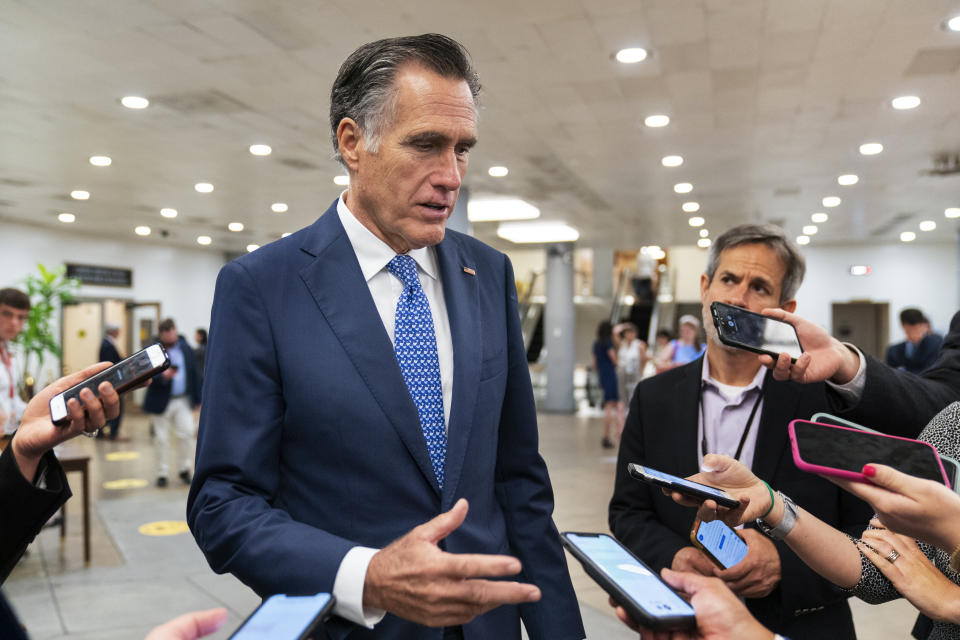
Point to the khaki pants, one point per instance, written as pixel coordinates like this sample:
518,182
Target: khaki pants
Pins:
180,415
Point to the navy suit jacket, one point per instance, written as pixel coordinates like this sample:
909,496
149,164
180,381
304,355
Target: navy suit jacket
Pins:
310,443
922,358
661,431
108,352
158,391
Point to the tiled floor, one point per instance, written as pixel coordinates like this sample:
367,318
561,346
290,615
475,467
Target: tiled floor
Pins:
136,581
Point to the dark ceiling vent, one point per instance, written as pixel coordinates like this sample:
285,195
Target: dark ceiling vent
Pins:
297,163
891,224
944,164
14,182
783,192
200,102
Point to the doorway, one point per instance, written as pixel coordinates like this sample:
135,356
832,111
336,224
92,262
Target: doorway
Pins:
865,324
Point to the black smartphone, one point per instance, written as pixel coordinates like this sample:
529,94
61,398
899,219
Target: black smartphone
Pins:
283,617
719,542
842,452
124,375
682,485
633,585
755,332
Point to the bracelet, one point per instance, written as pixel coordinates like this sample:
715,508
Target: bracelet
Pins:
955,559
771,501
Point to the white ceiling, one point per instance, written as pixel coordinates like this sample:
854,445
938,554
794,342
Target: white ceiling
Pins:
769,100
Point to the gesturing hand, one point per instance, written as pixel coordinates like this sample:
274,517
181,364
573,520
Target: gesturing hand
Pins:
759,572
824,357
412,578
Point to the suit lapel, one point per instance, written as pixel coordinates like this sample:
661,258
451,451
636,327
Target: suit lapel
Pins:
337,285
686,412
462,298
780,401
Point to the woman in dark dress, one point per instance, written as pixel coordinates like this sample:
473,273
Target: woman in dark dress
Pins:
605,364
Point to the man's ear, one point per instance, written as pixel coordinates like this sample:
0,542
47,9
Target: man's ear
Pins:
350,142
704,283
789,306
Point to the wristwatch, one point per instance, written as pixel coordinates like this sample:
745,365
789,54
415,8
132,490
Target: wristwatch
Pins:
785,526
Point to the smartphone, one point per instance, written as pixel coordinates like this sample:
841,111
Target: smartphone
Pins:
719,542
283,617
681,485
631,583
755,332
842,451
124,375
950,465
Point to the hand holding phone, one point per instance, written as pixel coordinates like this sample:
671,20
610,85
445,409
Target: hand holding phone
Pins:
695,490
723,545
283,617
755,332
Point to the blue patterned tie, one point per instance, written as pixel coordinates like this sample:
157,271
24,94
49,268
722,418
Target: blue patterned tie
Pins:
416,345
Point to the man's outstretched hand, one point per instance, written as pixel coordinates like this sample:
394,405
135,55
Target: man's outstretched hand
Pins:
412,578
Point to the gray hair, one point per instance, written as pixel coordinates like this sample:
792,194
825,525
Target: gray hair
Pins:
771,236
364,88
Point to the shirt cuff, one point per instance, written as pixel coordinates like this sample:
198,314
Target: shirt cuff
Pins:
348,588
852,391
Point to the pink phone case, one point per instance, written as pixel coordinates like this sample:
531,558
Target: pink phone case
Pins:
843,473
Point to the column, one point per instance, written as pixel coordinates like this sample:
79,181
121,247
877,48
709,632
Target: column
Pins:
558,328
603,273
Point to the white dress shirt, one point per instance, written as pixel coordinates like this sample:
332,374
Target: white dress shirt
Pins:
373,255
724,412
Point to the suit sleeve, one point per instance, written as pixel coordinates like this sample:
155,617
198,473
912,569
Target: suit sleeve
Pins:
634,516
231,509
526,497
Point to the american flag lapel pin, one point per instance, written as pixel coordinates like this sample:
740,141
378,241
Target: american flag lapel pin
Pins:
470,271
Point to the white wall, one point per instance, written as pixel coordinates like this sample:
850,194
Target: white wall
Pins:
182,280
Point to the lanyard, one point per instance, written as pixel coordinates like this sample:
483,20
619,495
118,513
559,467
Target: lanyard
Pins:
746,429
7,364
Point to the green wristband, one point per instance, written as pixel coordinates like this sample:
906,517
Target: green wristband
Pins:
771,501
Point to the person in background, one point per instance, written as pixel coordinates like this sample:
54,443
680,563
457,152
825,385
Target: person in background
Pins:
631,359
200,354
919,351
686,348
110,353
14,309
605,364
171,398
661,343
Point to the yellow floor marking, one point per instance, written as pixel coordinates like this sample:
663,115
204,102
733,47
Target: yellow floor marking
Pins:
125,483
164,528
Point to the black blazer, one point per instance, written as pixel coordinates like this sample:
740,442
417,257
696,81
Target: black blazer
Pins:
661,431
108,352
902,403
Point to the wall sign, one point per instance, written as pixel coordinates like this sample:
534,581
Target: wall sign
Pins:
100,276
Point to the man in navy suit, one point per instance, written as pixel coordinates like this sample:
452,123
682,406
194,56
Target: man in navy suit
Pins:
919,351
325,462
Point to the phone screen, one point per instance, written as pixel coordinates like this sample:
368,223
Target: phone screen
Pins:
283,618
721,541
755,330
850,449
641,584
696,486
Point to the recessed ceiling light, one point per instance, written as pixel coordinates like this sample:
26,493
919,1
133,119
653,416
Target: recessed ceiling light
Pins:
656,121
492,209
672,161
871,148
134,102
928,225
631,55
203,187
696,221
498,171
847,179
803,239
101,161
66,217
204,240
683,187
260,149
142,231
79,194
279,207
704,233
341,180
524,232
235,226
905,102
691,207
809,229
953,24
703,243
285,234
252,247
832,201
819,217
168,213
952,212
908,236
